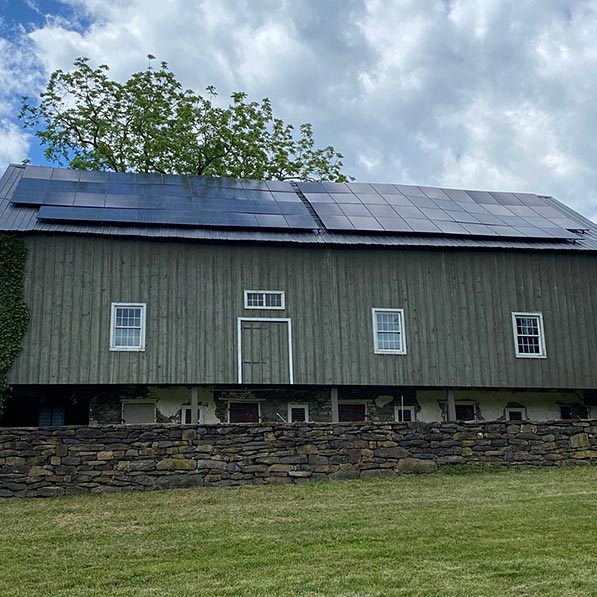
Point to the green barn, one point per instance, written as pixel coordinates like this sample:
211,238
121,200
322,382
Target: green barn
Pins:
159,298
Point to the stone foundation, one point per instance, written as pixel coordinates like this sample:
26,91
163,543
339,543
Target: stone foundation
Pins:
43,462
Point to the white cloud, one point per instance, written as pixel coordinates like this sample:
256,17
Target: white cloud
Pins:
497,94
14,146
19,75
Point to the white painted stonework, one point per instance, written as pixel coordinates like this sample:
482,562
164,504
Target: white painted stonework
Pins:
491,404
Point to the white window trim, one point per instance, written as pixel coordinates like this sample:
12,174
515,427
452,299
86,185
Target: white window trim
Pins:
398,408
264,308
515,409
141,347
187,408
376,349
258,401
138,401
303,406
239,325
523,355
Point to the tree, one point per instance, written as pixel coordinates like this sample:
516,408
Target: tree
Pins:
151,124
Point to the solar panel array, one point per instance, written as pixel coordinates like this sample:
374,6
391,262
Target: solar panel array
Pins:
153,199
425,210
173,200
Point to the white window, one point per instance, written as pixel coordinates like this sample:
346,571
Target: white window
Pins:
298,413
528,335
388,331
515,413
265,299
185,415
404,414
127,330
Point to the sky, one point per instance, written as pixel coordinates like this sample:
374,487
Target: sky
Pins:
491,95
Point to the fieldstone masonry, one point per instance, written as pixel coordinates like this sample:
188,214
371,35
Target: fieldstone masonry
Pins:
45,462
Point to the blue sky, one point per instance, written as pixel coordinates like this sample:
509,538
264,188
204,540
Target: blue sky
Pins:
498,94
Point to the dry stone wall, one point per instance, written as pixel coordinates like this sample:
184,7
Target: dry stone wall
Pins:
44,462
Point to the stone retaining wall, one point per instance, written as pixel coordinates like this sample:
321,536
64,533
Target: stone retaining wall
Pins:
43,462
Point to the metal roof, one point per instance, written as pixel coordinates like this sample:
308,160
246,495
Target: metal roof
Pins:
24,219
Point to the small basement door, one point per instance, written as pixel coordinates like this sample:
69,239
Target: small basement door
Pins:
265,353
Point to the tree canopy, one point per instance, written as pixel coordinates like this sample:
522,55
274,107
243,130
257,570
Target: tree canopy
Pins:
150,123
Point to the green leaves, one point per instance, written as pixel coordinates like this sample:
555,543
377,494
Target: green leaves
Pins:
14,314
151,124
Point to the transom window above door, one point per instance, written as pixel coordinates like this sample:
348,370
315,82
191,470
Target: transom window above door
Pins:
265,299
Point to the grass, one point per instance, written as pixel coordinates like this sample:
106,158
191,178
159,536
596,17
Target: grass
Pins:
519,532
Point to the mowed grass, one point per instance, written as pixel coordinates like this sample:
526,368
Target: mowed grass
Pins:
516,532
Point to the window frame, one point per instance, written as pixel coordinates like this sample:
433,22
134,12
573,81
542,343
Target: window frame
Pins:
542,354
305,407
409,407
472,403
114,308
573,406
126,401
282,293
53,409
187,408
353,403
376,349
259,414
517,409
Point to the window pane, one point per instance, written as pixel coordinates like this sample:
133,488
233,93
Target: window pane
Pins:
389,341
128,317
255,299
388,322
264,299
127,337
273,300
514,415
45,416
528,335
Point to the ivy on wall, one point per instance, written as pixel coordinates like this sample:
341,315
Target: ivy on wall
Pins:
14,314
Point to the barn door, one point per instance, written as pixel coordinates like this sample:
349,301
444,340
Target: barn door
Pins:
265,351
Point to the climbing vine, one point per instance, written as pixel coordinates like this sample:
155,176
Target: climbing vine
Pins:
14,314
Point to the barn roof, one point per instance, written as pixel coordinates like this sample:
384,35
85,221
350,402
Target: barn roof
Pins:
52,200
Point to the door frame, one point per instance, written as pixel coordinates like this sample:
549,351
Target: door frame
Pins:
239,325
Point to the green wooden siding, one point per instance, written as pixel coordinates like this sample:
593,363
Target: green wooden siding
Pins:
457,307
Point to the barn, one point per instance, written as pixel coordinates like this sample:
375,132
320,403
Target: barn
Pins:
164,298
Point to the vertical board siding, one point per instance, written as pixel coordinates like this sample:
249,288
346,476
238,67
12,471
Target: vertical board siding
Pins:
457,306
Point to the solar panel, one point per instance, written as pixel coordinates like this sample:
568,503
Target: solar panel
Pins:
174,217
156,199
129,198
429,210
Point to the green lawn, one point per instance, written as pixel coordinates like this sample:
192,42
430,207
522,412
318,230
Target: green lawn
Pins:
516,532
